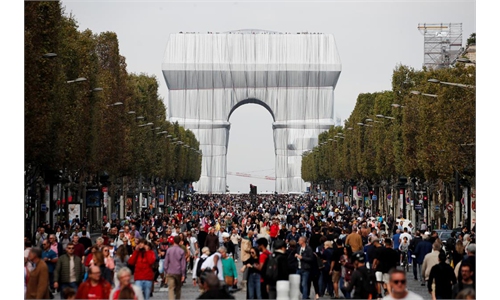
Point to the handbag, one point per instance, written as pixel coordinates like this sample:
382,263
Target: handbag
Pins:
229,280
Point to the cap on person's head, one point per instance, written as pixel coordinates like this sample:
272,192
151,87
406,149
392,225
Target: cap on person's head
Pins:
121,230
358,256
427,233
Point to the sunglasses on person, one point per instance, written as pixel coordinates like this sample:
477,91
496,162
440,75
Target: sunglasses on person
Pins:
402,281
70,248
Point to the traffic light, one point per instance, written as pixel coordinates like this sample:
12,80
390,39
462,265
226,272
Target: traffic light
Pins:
371,194
425,198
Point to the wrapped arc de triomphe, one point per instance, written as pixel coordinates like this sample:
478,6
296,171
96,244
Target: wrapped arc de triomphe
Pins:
293,76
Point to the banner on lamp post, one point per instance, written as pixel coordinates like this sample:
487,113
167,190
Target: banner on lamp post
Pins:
161,200
93,198
105,196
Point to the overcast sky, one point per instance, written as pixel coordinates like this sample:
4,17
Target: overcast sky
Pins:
372,38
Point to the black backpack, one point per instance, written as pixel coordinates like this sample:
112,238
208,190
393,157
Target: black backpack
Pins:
368,283
198,266
271,268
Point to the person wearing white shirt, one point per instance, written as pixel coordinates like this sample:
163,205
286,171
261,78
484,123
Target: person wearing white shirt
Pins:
405,233
214,260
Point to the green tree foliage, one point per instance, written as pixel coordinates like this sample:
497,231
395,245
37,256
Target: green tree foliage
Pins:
85,127
426,137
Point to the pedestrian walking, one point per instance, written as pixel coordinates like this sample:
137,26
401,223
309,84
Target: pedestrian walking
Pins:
212,240
430,260
249,266
305,258
347,269
421,250
174,269
50,258
363,280
246,246
327,277
335,266
121,260
441,279
69,271
37,286
229,269
95,287
282,266
143,259
262,244
385,259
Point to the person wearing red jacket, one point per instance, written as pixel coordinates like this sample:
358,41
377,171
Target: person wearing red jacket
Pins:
96,287
143,259
274,231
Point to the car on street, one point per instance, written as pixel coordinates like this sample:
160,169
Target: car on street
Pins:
444,234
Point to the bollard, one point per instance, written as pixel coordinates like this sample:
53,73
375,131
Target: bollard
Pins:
294,280
282,290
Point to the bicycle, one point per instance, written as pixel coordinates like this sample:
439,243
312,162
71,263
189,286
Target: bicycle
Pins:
404,261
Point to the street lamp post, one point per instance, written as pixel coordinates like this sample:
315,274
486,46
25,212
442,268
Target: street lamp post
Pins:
386,117
79,79
423,94
433,80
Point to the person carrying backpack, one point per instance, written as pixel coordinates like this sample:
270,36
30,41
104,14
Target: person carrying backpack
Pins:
363,280
277,267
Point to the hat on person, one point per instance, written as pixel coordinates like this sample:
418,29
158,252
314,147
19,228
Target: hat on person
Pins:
358,256
121,230
226,235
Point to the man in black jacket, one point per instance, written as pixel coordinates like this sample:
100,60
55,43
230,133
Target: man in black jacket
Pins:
281,257
314,240
413,245
443,276
305,258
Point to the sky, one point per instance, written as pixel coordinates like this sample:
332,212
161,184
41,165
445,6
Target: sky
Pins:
372,38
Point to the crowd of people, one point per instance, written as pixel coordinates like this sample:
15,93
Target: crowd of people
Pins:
342,251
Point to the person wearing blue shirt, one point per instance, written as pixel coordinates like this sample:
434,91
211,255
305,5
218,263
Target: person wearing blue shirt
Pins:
395,239
50,258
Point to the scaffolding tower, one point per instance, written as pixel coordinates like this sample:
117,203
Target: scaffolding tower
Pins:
442,44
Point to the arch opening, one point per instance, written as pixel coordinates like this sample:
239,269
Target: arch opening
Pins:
251,150
251,101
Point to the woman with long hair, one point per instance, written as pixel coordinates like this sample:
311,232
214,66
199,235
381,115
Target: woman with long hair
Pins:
346,270
109,262
253,289
459,252
120,260
98,260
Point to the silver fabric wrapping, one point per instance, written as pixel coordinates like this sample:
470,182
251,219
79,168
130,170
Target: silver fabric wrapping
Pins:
292,75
